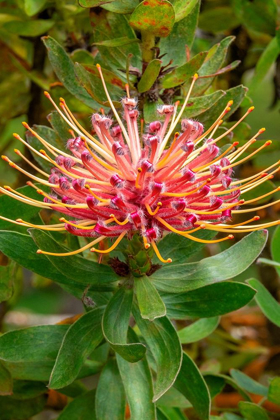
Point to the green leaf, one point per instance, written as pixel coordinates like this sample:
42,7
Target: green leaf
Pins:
180,38
29,27
252,411
110,396
30,353
227,379
150,110
266,261
269,306
154,16
180,249
82,407
109,26
74,267
218,19
199,105
14,209
258,15
121,6
25,390
6,381
183,8
149,76
208,301
213,62
275,246
150,304
64,69
192,385
266,60
115,326
260,190
198,330
137,381
6,281
236,94
247,383
214,384
79,342
12,409
274,391
25,255
173,398
61,129
117,42
93,3
165,347
226,265
32,7
183,73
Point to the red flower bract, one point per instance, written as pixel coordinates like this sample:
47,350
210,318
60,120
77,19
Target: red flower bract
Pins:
125,181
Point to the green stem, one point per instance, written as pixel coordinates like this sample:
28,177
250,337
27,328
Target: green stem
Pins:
148,42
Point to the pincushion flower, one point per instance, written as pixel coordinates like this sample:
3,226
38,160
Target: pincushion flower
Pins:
122,181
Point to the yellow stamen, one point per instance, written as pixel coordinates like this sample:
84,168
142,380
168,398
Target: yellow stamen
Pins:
103,200
115,244
169,260
168,194
139,171
77,251
104,164
78,226
30,163
153,213
118,222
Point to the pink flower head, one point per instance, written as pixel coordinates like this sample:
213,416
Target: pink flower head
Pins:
122,181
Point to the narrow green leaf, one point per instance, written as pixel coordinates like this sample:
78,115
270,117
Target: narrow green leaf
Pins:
149,76
93,3
248,384
227,379
201,104
208,301
165,347
258,15
110,396
6,281
30,353
109,26
79,342
155,16
183,8
236,94
198,330
180,38
183,73
117,42
214,384
115,326
266,60
32,7
121,6
266,261
12,409
29,27
173,398
269,306
25,390
275,246
137,381
74,267
226,265
192,385
25,255
274,391
150,110
64,69
13,209
82,407
60,127
213,62
6,381
150,304
252,411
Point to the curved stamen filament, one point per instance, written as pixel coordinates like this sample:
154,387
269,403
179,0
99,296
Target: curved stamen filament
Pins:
169,260
169,194
77,251
118,222
31,164
115,244
150,211
77,225
103,200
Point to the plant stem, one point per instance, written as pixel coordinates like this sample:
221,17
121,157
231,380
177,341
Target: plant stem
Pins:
148,42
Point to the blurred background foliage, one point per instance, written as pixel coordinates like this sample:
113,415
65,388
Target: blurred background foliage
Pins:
243,38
